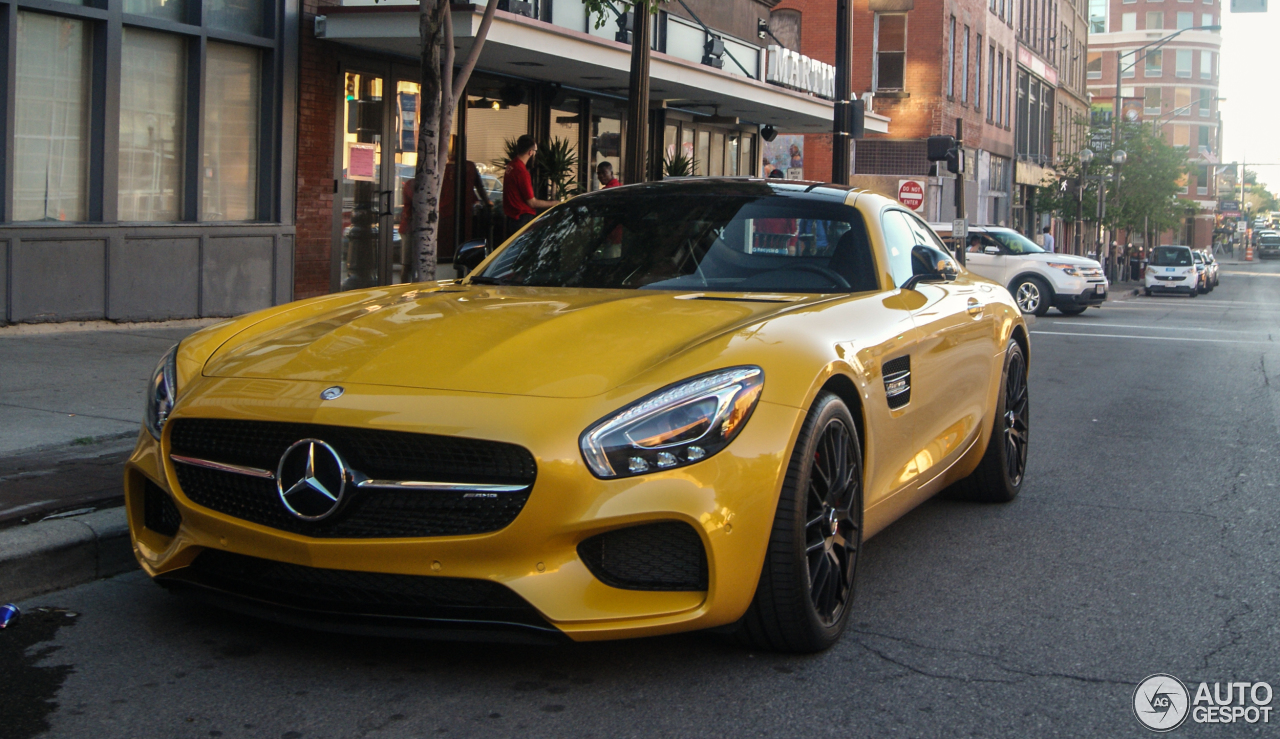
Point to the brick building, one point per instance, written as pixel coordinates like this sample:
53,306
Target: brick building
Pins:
923,64
1174,87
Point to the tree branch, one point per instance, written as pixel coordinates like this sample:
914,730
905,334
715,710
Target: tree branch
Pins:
473,54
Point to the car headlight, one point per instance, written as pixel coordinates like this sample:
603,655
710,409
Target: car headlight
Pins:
1068,268
162,392
676,426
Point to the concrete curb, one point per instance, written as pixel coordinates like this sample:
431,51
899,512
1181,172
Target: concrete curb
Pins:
58,553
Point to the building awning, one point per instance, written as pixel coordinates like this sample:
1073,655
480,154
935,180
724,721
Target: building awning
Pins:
533,49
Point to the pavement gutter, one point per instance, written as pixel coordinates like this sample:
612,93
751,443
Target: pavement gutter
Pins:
58,553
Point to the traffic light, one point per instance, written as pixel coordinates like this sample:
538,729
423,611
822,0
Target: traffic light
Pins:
943,149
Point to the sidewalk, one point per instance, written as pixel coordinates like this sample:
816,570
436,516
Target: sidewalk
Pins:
70,411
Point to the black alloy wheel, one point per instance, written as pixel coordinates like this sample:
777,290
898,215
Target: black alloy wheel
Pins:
1000,473
1016,419
806,587
832,530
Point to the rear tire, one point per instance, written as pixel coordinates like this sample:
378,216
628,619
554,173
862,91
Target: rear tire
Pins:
806,585
999,476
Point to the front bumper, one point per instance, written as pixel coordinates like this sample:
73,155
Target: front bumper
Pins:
1182,284
728,499
1086,298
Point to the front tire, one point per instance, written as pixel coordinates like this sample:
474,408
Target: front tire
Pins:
1074,310
1148,291
806,586
1032,296
999,476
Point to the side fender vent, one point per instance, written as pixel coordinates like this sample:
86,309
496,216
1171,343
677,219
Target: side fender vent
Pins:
897,381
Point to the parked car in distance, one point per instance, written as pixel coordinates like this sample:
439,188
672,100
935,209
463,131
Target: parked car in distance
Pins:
1268,244
1202,272
1172,269
1210,268
1037,279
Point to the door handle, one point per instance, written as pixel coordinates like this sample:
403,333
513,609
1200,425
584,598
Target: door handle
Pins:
975,307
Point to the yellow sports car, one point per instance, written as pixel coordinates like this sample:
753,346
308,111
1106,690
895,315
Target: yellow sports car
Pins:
657,408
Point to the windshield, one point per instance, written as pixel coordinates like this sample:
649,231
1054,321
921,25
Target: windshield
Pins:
1269,239
752,241
1015,243
1171,256
1196,256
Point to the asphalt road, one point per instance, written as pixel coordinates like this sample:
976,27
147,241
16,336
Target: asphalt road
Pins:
1144,541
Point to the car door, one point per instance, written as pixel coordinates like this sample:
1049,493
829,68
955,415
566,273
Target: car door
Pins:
951,362
984,263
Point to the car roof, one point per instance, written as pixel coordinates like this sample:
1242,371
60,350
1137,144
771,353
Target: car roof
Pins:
940,227
820,191
1174,246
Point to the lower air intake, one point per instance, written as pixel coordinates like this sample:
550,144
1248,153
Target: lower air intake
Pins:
657,556
158,510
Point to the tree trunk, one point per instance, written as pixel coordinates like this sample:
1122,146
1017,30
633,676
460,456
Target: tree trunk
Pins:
427,173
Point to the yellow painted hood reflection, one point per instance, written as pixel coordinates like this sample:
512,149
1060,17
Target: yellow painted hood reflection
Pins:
549,342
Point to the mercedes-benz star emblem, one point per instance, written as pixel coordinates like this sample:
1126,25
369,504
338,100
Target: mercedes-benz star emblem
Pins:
316,479
332,393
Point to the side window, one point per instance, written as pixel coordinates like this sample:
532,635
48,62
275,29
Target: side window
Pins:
925,235
898,240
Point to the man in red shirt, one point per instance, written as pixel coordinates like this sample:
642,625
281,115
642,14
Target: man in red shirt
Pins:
604,173
518,202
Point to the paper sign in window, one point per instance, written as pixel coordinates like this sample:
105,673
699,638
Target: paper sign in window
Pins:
360,162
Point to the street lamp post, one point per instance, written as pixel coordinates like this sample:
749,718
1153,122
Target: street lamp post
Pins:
1086,156
1118,157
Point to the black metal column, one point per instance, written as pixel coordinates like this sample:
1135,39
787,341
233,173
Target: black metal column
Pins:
635,161
841,141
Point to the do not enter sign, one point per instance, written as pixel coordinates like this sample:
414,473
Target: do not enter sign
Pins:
911,193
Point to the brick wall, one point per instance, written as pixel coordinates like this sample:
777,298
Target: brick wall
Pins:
927,111
317,101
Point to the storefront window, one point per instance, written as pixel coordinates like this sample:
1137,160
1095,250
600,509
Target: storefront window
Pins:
244,16
153,69
606,145
784,154
492,125
565,123
51,136
232,80
170,10
362,222
703,156
715,163
408,95
746,150
731,156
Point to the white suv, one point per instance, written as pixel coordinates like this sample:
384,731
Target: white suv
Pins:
1037,279
1172,269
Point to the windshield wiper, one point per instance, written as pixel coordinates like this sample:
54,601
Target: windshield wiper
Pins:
485,280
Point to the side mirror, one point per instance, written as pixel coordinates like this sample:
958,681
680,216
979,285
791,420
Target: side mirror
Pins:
992,250
929,266
470,255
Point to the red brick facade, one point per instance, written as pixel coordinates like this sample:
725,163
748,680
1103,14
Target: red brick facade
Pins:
317,96
927,111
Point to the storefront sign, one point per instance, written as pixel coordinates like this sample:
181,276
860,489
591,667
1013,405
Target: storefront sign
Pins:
797,71
911,193
360,162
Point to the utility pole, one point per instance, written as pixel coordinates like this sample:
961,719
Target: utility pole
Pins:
841,139
960,180
637,155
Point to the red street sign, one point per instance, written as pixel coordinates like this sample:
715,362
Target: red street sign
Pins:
911,194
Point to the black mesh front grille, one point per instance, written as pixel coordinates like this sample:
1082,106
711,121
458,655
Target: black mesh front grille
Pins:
368,513
656,556
393,455
363,593
158,510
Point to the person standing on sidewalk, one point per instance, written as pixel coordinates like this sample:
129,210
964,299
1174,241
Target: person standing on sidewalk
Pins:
518,203
604,173
1048,240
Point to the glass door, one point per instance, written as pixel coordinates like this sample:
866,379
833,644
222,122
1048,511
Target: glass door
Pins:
365,205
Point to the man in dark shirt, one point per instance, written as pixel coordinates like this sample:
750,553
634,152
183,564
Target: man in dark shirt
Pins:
518,202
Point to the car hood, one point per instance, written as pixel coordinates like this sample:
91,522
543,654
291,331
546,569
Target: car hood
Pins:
550,342
1063,259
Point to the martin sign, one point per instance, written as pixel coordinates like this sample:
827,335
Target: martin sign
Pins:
797,71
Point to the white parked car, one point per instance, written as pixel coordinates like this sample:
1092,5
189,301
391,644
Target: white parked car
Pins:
1037,279
1172,269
